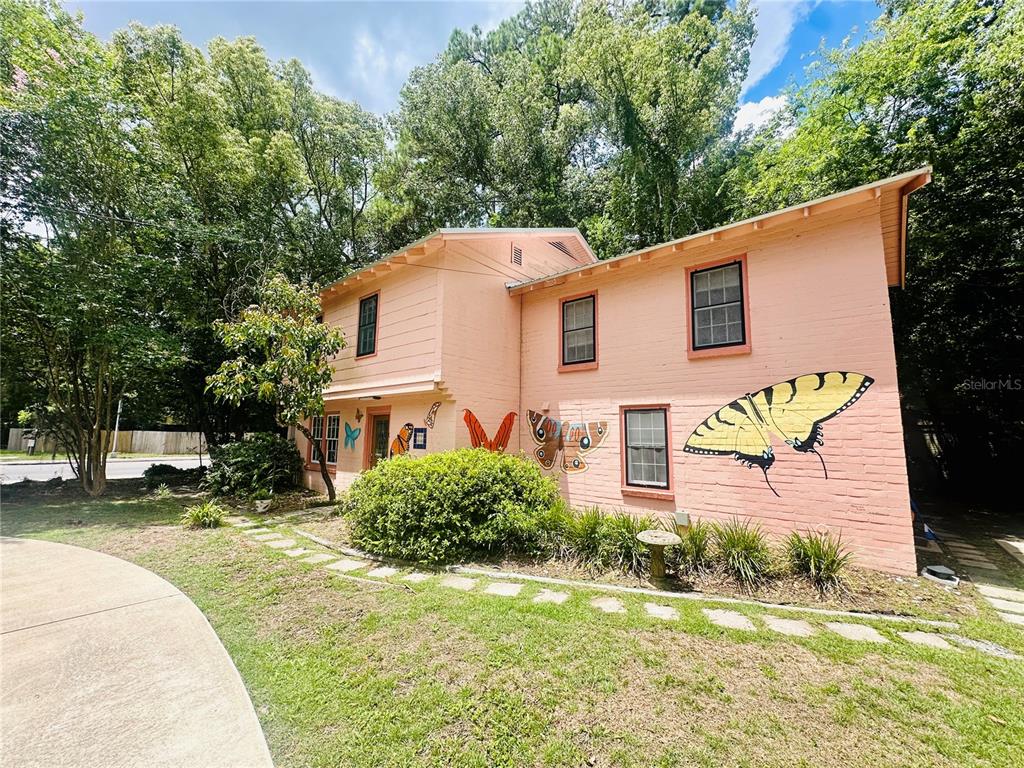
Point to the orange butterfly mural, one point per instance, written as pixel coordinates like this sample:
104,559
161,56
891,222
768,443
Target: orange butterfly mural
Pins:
478,436
400,445
573,439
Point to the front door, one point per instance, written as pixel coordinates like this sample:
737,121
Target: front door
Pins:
380,433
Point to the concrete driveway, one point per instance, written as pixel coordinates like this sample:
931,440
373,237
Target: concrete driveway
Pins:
107,664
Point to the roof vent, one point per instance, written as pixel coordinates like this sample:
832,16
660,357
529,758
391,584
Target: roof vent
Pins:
517,255
561,246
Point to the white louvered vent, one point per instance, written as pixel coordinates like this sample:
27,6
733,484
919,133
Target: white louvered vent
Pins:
517,255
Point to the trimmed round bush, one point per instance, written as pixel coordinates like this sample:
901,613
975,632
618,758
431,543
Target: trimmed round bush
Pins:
446,505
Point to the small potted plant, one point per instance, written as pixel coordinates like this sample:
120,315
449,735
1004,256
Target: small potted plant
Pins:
263,499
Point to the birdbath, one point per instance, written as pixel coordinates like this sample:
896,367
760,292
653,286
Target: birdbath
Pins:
657,541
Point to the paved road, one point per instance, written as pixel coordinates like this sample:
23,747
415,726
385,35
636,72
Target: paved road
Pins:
14,471
106,664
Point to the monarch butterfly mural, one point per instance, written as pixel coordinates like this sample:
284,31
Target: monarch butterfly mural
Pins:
478,435
792,410
400,445
573,439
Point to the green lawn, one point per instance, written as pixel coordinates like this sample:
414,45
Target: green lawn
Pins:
343,674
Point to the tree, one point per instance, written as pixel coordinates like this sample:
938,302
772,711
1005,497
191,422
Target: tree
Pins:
938,83
281,357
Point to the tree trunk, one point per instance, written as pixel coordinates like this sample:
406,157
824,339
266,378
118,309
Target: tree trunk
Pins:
321,459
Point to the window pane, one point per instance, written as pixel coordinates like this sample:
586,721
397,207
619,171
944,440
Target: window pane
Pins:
332,439
718,307
578,331
646,448
367,340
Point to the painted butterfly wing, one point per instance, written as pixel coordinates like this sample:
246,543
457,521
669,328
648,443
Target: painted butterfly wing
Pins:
795,409
733,430
581,438
500,441
428,420
477,435
351,435
547,435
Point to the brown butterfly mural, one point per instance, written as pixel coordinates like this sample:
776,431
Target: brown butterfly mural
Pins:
573,439
478,435
400,445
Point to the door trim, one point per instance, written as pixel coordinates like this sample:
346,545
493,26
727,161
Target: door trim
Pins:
380,410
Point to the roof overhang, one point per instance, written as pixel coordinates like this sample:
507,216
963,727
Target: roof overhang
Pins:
409,385
415,252
891,194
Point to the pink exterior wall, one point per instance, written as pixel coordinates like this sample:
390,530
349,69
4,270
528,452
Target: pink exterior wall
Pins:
818,302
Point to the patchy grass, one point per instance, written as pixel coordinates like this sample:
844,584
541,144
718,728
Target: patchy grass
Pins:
342,674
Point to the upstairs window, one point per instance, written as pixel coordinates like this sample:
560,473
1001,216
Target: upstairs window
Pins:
366,343
579,341
716,296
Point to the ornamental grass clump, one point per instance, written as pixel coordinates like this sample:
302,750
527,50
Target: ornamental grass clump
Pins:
742,550
818,556
693,555
209,514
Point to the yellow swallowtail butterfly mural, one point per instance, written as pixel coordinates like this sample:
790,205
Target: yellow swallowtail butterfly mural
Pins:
792,410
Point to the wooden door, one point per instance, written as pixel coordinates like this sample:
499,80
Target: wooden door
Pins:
380,435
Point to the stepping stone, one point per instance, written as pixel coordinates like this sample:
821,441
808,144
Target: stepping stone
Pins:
1012,618
319,557
1015,547
930,639
268,536
246,524
551,596
985,565
1003,593
666,612
296,552
861,632
382,572
281,543
347,565
458,582
416,578
503,589
237,519
729,619
257,530
1006,605
792,627
985,646
608,605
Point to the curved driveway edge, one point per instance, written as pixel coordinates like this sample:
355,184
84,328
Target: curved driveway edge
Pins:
106,664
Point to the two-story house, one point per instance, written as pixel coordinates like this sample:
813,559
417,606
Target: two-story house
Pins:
746,371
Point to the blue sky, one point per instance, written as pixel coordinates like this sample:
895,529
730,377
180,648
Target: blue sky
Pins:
364,51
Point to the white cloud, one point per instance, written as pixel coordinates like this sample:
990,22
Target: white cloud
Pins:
380,68
754,114
775,22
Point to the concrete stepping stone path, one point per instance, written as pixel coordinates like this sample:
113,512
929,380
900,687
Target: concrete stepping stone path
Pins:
729,619
458,582
281,543
503,589
1015,548
319,557
860,632
296,552
346,566
1012,618
416,577
252,531
551,596
985,646
608,605
791,627
268,536
664,612
1003,593
1007,606
382,572
929,639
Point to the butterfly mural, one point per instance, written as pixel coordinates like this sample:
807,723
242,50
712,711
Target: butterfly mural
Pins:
400,445
573,439
792,410
478,435
359,415
428,420
351,435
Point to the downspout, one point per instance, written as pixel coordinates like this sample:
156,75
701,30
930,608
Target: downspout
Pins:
519,403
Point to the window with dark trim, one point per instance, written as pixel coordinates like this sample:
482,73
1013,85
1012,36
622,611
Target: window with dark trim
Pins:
578,341
716,301
366,343
316,429
646,448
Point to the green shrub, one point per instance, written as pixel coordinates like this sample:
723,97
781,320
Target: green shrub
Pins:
621,549
209,514
263,461
446,505
743,551
163,492
583,537
819,556
693,555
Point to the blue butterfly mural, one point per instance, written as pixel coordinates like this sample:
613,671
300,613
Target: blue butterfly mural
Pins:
351,435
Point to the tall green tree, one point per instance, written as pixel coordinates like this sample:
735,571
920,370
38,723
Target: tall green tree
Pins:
938,82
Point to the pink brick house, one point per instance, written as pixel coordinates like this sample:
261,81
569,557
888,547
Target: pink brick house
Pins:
745,371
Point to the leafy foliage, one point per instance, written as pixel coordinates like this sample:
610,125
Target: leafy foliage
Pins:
694,554
445,505
209,514
251,466
156,475
742,551
820,556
